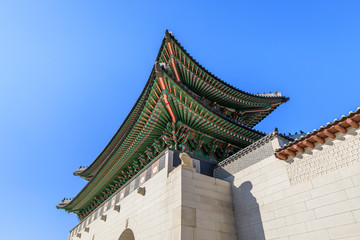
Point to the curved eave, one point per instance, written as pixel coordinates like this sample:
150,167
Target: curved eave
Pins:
255,96
258,119
88,190
62,204
79,172
120,134
109,167
89,172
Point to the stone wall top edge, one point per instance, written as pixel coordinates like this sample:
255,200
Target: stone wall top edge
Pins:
250,148
149,165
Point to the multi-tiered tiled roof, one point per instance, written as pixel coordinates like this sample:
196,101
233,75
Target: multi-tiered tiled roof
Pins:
183,106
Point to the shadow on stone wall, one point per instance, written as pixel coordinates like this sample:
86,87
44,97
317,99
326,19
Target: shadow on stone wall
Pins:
247,213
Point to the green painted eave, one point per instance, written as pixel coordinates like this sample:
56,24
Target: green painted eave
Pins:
204,120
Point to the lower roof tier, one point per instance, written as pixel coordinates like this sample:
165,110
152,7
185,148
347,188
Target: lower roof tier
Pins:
167,115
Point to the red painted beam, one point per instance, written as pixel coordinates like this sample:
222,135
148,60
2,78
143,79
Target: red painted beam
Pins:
308,144
298,148
352,123
289,152
163,87
340,128
329,134
281,156
319,139
166,101
172,55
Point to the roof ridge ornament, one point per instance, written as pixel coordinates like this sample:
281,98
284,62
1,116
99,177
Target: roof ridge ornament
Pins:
79,170
63,202
158,69
168,35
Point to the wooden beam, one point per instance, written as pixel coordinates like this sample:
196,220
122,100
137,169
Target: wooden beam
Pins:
164,94
319,139
172,56
329,134
352,123
289,152
281,156
340,128
308,144
298,148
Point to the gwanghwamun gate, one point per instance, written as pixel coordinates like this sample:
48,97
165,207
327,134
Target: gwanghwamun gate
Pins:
187,164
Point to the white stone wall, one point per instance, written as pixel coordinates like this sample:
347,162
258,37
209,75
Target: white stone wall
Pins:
178,204
315,195
207,208
149,216
326,158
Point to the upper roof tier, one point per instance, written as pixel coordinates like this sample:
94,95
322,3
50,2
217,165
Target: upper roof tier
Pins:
168,113
249,108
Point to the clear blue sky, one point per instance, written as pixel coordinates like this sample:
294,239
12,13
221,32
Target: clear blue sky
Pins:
70,71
